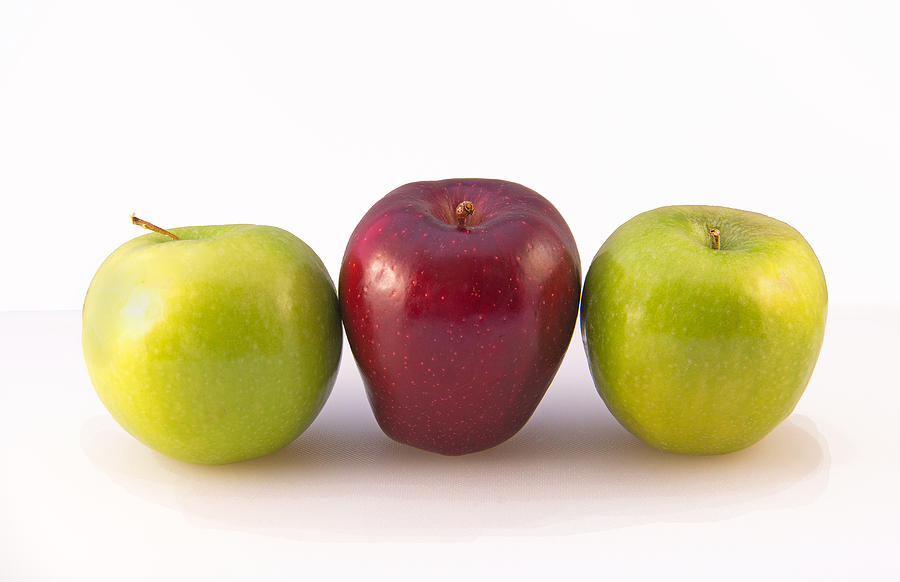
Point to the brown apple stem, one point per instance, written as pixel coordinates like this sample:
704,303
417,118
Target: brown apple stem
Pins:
464,209
714,238
149,226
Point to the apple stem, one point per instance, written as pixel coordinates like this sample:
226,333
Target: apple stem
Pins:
149,226
465,208
714,238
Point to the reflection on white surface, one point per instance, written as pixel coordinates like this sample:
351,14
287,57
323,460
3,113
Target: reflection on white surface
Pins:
572,469
339,482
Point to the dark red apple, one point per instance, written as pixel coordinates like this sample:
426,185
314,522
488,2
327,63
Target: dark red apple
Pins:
459,298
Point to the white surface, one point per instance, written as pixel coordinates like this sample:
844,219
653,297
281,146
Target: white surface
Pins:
300,116
572,494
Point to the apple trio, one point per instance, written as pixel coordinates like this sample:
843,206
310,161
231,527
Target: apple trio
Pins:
459,298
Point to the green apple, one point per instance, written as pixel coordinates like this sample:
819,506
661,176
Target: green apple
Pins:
217,347
702,325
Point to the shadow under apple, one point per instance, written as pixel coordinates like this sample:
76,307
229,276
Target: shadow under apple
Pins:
571,469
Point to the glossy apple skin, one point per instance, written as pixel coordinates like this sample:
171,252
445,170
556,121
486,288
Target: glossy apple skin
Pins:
458,330
216,348
696,350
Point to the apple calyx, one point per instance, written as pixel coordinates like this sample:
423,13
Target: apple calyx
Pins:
714,238
150,226
465,209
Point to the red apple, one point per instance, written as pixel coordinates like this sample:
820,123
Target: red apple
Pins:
459,299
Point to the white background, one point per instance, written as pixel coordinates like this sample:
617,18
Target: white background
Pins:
301,115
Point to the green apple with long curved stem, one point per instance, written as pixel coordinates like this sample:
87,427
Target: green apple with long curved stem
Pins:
213,344
702,325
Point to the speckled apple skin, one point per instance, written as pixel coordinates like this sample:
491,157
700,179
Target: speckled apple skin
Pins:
459,330
216,348
696,350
